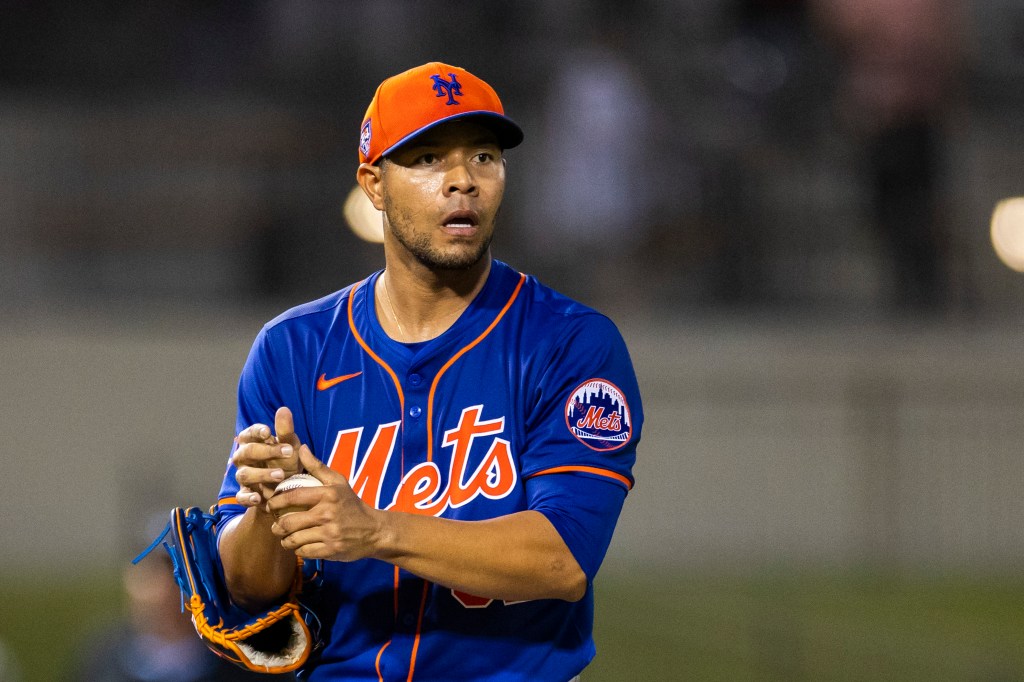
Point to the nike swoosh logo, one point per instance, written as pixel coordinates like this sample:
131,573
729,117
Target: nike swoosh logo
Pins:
323,383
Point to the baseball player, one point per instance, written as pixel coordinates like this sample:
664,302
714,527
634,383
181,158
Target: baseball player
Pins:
474,430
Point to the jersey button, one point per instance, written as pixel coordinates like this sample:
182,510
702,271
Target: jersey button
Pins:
415,379
415,411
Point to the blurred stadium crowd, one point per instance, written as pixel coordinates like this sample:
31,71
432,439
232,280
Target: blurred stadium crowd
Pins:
822,156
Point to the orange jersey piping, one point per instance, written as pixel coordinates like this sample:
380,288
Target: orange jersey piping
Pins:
430,442
463,351
369,351
419,631
587,470
380,675
401,403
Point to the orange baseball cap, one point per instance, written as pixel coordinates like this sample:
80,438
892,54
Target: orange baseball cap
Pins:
419,99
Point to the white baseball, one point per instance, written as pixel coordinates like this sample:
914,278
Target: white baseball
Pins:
293,482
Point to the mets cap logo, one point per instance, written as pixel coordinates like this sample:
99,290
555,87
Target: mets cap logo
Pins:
598,415
451,89
364,138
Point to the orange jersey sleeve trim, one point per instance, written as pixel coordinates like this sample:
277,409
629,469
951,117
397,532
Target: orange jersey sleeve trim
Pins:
597,471
227,500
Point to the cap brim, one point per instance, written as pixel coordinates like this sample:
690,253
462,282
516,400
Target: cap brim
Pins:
509,134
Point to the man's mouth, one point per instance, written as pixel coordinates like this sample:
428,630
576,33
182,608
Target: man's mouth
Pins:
460,222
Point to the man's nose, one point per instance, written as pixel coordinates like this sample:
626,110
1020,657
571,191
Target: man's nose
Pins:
459,178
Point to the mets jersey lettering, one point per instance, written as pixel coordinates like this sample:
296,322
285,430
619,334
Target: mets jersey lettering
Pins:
421,490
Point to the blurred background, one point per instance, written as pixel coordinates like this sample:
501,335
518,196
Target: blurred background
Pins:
788,207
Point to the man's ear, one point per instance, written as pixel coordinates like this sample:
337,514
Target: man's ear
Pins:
371,179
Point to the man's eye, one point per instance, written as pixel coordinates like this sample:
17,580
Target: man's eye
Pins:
484,157
427,159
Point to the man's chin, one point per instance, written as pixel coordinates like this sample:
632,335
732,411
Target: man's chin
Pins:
454,261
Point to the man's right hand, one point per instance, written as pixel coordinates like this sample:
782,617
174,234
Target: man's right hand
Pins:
264,459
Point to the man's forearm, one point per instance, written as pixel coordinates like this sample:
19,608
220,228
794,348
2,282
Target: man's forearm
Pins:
258,571
516,557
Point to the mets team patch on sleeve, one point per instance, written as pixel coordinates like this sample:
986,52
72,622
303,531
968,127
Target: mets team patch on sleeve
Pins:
598,415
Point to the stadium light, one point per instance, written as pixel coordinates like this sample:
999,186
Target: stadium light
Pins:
362,218
1008,232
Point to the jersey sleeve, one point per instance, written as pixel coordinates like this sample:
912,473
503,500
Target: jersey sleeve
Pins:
583,509
586,415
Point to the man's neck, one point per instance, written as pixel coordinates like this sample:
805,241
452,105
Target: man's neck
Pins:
416,303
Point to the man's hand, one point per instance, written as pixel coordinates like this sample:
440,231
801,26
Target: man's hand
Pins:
264,459
337,525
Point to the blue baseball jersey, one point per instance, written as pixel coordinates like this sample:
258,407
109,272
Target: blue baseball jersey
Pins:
529,401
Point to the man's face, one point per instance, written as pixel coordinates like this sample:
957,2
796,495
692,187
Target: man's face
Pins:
441,193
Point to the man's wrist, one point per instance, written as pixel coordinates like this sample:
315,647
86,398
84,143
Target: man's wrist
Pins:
386,537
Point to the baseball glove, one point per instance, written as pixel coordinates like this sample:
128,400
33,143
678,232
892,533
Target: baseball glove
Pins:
276,641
